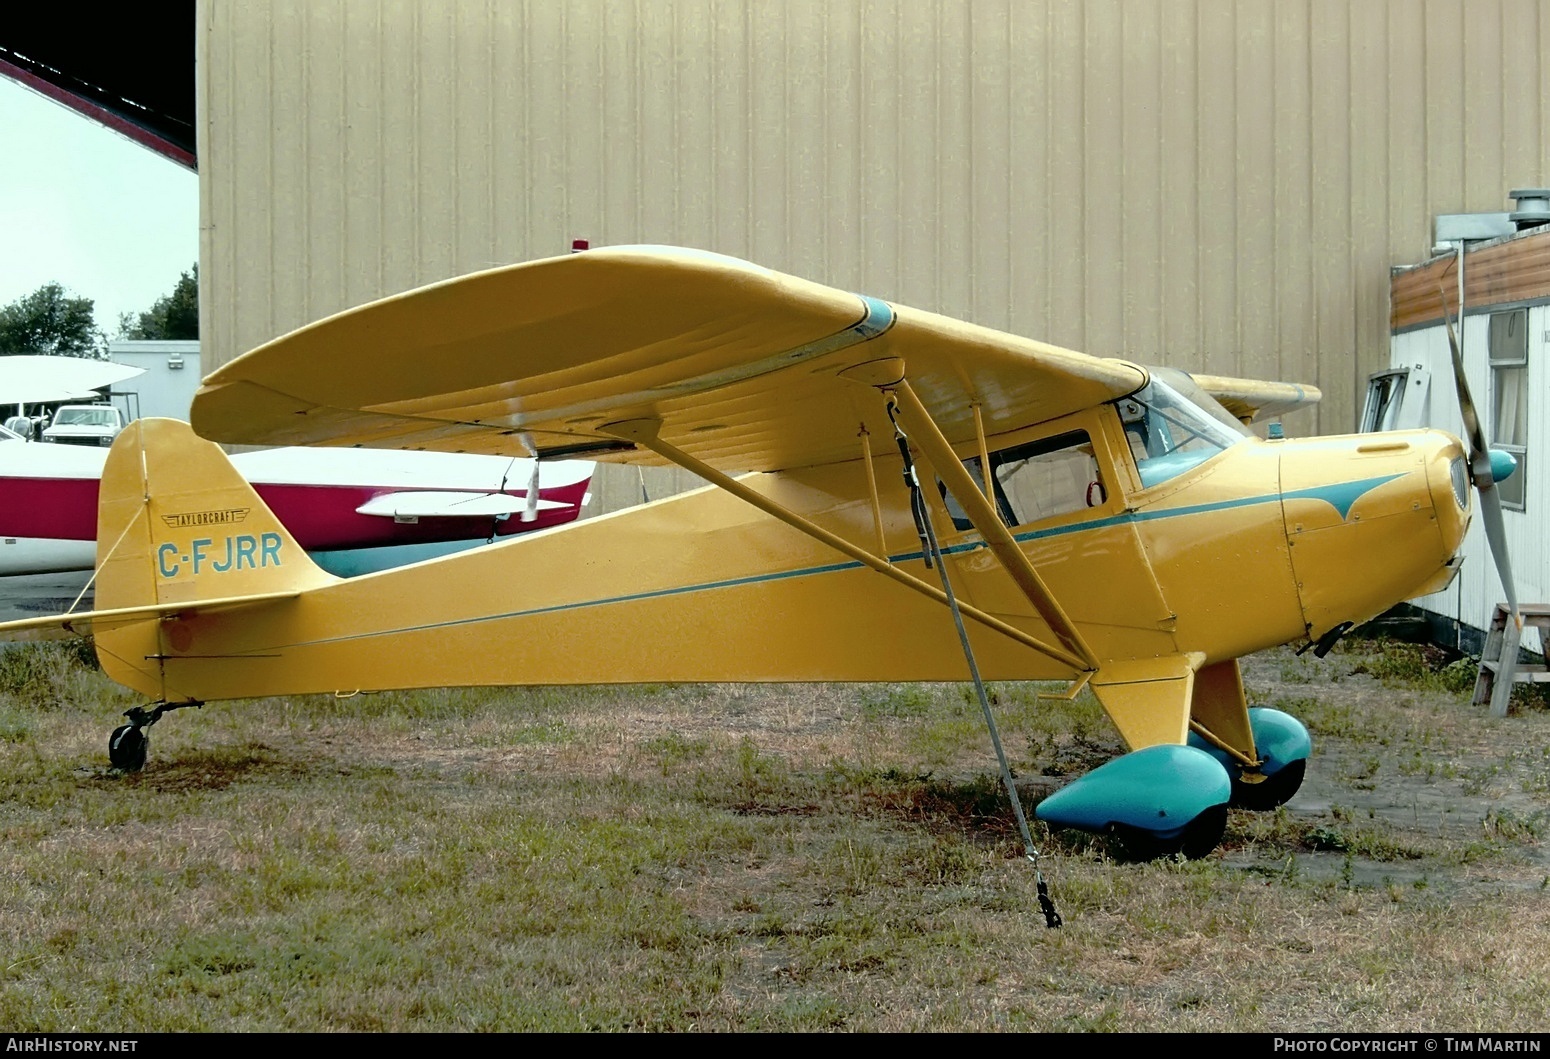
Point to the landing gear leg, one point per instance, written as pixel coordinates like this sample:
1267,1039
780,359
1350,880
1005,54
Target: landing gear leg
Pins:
1271,791
128,744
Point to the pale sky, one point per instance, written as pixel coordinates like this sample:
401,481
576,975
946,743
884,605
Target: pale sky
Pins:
89,209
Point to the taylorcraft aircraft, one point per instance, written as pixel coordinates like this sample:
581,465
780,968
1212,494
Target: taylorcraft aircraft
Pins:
353,510
1131,536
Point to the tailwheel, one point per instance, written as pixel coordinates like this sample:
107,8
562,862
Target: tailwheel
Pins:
1273,790
127,746
129,742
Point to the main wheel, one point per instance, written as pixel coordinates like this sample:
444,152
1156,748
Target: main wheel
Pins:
1205,832
1271,791
1199,837
127,746
1138,845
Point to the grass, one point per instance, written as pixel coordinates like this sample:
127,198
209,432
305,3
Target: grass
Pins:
792,858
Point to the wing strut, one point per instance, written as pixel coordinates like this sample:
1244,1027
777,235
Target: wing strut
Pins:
1002,545
871,485
645,432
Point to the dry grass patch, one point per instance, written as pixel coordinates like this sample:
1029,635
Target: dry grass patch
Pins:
738,858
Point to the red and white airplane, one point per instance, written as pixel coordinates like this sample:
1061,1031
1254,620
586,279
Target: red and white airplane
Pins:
355,510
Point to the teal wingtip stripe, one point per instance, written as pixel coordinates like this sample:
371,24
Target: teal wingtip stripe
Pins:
879,318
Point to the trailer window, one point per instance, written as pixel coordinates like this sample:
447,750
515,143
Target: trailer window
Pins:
1509,398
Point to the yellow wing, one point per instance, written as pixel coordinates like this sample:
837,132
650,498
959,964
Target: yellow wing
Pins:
739,363
1252,400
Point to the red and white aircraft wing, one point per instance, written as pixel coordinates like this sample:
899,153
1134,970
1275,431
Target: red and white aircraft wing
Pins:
332,501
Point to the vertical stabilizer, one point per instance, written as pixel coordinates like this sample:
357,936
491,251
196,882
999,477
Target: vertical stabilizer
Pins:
176,523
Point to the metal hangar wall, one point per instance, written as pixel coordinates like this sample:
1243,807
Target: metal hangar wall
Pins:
1214,185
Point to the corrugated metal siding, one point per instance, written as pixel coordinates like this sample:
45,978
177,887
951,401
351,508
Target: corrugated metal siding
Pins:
1214,185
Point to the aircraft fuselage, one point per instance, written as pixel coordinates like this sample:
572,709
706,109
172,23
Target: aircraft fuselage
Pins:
1259,543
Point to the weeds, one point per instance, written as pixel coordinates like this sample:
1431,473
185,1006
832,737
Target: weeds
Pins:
1397,663
1409,665
46,674
724,858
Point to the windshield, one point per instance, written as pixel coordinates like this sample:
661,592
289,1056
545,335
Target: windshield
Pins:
86,417
1173,425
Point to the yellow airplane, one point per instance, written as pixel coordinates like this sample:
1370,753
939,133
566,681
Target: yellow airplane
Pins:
1132,535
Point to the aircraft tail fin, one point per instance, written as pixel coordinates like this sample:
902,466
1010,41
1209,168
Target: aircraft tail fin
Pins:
177,524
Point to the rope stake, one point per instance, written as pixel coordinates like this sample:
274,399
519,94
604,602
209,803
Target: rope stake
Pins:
934,553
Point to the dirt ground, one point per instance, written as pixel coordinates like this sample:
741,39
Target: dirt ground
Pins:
1423,775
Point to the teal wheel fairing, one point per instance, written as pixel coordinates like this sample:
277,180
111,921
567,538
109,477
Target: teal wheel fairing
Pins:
1158,790
1283,745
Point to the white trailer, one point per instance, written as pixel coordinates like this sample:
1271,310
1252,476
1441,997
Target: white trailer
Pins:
1504,336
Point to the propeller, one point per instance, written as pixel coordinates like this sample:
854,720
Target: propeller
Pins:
1484,476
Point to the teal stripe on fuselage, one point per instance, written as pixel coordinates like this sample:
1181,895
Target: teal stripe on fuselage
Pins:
1340,496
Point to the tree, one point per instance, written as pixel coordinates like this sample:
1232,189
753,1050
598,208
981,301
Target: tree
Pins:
48,322
174,315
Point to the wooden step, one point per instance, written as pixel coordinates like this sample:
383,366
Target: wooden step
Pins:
1499,655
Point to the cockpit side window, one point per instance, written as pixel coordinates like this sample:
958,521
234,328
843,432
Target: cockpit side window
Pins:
1039,480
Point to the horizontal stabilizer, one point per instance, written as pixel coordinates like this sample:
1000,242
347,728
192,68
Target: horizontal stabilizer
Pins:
82,622
431,503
